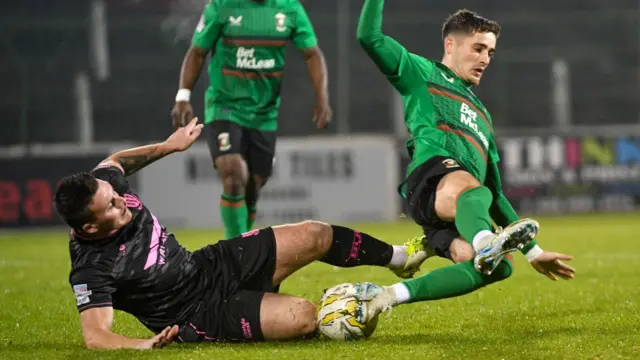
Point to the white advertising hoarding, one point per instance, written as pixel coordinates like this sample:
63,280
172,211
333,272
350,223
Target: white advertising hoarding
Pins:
334,179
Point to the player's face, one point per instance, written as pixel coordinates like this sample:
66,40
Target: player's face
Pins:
109,210
471,55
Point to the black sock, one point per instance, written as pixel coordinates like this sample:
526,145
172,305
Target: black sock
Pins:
353,248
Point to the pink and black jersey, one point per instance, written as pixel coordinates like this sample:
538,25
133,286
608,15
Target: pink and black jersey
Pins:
140,269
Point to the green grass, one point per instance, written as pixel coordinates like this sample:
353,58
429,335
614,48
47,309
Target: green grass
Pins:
595,316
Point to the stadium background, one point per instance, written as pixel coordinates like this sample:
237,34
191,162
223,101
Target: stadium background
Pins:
82,78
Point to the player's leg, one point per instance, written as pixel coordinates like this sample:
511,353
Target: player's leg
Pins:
258,261
257,316
446,282
226,144
441,191
300,244
449,281
284,317
261,259
248,315
252,193
261,147
447,243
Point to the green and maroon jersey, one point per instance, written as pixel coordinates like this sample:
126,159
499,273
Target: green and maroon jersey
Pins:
248,39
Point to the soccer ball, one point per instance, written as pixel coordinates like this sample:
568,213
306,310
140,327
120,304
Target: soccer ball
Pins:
341,313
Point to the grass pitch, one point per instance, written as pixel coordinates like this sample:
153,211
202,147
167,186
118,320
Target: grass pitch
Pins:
595,316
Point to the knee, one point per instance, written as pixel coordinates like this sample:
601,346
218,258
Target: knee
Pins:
306,317
318,233
233,173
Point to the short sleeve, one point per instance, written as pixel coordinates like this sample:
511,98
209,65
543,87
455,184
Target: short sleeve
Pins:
113,176
209,28
92,287
303,36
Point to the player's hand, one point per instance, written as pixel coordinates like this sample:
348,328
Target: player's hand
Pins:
160,340
322,113
181,114
550,264
184,137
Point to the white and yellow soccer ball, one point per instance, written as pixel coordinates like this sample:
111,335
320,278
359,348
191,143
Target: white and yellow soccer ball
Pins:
342,312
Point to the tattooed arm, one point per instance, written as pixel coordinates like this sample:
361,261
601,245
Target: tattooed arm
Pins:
132,160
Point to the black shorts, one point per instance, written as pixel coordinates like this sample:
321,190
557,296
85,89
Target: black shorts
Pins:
242,269
258,148
421,198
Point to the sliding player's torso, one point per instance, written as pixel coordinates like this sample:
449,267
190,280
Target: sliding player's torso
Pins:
444,117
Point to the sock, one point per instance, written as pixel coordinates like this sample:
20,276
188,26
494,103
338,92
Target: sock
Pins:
402,293
353,248
399,257
454,280
234,214
251,217
479,236
472,212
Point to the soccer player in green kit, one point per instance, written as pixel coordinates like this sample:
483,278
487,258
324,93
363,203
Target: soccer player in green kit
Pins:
247,39
453,185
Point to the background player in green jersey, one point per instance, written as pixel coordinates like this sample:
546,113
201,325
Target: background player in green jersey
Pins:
453,185
247,40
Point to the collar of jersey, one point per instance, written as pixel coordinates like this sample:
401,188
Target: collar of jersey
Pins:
443,67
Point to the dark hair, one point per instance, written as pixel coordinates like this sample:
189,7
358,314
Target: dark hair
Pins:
469,22
73,197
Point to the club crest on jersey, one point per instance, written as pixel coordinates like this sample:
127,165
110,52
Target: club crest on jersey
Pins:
450,163
235,21
280,22
223,141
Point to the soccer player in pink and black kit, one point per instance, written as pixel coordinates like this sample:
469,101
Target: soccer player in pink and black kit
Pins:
123,258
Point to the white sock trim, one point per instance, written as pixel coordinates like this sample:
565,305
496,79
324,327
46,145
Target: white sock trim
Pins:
402,293
533,253
479,236
399,257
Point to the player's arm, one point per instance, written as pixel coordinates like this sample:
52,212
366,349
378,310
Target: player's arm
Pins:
403,69
204,40
305,40
96,331
132,160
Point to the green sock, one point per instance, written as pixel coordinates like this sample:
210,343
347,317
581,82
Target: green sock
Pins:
472,212
234,214
454,280
252,216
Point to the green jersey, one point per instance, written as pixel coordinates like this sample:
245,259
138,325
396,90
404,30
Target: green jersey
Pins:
248,40
442,114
